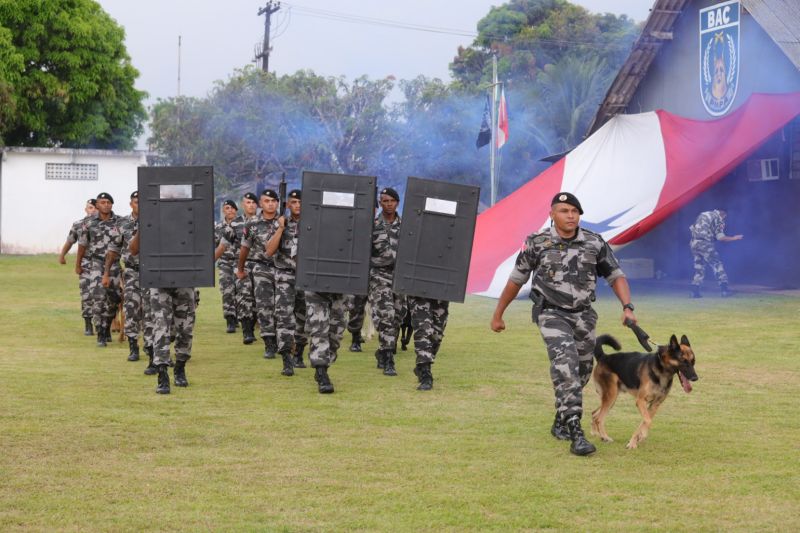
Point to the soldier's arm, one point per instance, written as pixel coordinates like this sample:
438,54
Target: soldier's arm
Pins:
62,258
220,250
79,258
510,292
244,251
275,241
623,292
524,265
133,247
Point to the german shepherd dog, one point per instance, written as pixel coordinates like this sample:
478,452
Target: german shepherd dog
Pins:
647,376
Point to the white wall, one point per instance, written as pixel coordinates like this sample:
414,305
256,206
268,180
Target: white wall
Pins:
36,214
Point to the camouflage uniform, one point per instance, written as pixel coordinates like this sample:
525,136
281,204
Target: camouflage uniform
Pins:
356,314
563,289
226,266
709,227
232,239
133,300
256,234
428,318
96,236
83,279
325,324
386,305
290,305
172,308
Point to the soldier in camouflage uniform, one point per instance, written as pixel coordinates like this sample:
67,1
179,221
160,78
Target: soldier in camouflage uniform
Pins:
325,325
428,318
565,261
128,226
225,266
93,241
232,240
386,305
256,235
289,303
83,279
708,228
355,320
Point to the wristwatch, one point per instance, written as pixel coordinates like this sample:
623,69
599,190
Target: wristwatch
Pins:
628,306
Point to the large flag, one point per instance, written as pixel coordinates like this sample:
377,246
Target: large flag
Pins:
502,120
485,135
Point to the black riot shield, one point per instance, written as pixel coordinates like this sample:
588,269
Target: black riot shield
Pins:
176,227
435,239
335,240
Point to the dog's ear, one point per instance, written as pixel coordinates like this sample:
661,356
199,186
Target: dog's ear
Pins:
673,343
685,340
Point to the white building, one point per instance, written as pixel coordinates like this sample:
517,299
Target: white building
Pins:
44,190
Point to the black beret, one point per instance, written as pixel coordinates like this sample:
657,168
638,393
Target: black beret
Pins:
92,201
134,194
105,196
295,193
230,203
567,198
388,191
250,196
269,193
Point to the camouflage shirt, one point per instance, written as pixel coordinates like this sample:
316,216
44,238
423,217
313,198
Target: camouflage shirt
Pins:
74,231
286,256
565,272
128,226
709,226
256,235
233,233
384,242
220,228
96,235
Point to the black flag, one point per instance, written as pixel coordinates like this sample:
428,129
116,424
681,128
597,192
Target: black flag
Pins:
485,135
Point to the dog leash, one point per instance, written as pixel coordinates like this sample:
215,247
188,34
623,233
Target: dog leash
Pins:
641,335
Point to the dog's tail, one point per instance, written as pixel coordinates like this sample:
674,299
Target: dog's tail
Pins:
605,340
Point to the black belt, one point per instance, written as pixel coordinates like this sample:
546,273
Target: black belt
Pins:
132,267
580,309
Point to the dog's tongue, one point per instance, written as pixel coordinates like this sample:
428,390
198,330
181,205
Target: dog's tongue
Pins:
687,385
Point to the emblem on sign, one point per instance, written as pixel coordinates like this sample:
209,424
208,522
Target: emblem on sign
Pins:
719,56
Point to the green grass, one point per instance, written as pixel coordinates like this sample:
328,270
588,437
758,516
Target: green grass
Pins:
87,445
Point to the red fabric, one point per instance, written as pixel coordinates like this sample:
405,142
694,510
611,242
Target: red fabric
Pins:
502,121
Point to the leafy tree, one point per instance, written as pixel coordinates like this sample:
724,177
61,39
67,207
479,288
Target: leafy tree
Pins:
76,86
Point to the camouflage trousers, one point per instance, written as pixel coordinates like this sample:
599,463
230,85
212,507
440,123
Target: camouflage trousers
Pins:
386,307
325,325
227,287
172,308
133,303
705,253
105,300
147,319
290,312
570,340
428,318
84,282
355,313
245,298
264,290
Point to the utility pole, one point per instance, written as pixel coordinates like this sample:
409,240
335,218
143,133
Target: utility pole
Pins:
267,11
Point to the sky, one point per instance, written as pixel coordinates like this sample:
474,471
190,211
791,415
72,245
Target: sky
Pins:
219,37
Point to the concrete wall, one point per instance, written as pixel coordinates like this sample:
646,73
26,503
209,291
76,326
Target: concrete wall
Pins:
36,213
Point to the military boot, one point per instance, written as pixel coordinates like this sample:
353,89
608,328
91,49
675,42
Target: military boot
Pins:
696,291
322,379
87,326
230,324
101,337
388,364
423,372
179,374
288,366
559,430
133,344
163,380
357,340
107,329
248,337
270,347
579,446
379,358
151,368
723,290
297,362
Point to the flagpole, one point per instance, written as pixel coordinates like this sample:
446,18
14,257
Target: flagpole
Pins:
493,154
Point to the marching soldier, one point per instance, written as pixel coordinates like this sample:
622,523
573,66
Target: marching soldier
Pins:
564,262
83,280
325,325
707,229
225,266
428,319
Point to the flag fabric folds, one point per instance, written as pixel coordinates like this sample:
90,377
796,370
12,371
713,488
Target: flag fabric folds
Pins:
485,134
502,120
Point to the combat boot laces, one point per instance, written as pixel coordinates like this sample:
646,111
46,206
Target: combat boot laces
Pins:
163,380
579,446
559,429
388,364
423,372
180,374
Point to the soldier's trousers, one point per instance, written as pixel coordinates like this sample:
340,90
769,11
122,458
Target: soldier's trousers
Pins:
245,299
705,253
227,287
325,324
290,312
428,318
133,303
105,300
264,290
355,314
147,319
570,340
386,307
172,307
84,284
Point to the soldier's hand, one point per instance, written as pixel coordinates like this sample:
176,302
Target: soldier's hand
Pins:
737,237
78,269
627,314
498,325
62,260
281,221
106,281
240,274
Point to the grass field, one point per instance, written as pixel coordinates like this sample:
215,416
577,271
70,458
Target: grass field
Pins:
87,445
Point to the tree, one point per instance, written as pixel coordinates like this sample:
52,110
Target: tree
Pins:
76,87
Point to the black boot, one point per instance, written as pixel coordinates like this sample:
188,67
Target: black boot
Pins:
357,340
180,374
322,379
101,337
87,326
231,324
388,364
247,331
298,356
423,372
559,430
163,380
151,368
107,329
270,347
696,291
288,366
723,290
134,346
379,358
579,446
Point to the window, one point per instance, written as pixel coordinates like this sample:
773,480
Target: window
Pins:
763,169
70,172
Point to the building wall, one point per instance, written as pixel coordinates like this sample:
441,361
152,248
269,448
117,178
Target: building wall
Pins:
36,213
